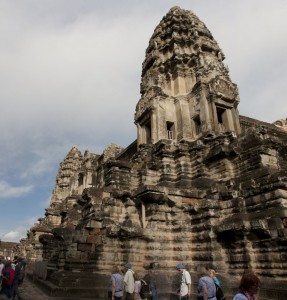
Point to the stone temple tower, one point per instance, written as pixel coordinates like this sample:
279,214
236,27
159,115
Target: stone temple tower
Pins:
201,185
186,89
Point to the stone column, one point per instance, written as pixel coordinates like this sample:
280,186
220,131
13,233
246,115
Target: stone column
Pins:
143,215
154,126
186,120
207,123
227,119
236,121
139,134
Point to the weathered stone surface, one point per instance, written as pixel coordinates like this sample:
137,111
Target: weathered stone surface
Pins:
201,184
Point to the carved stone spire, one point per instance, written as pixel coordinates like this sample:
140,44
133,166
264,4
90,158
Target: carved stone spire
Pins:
67,178
185,88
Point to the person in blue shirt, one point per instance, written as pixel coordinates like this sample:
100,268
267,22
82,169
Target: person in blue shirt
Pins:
206,288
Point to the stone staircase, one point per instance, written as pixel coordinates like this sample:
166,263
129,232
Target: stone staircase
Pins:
35,288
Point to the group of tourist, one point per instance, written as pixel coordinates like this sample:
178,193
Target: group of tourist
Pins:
209,287
131,286
12,274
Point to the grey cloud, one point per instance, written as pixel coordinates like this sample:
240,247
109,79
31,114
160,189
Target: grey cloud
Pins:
7,191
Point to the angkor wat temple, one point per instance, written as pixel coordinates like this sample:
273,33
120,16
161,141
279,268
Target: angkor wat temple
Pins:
201,184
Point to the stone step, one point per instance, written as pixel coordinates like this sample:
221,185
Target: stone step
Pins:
48,290
33,289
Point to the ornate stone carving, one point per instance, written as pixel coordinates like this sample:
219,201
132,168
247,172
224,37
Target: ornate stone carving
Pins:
223,88
281,124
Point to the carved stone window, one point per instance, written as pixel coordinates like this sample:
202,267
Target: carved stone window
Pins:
81,179
220,118
170,130
147,132
197,125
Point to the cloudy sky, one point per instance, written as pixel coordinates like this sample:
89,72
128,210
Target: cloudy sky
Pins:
70,75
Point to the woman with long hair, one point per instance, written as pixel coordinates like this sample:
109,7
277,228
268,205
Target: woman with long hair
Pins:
248,287
116,284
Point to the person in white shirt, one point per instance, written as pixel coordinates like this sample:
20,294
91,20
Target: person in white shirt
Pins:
1,269
185,284
14,262
129,282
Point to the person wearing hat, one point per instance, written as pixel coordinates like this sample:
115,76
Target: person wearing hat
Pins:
185,284
129,282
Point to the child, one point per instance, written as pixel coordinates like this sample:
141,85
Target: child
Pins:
137,287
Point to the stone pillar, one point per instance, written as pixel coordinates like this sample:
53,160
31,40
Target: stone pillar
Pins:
205,118
228,120
154,126
143,215
179,125
236,122
139,134
186,123
215,125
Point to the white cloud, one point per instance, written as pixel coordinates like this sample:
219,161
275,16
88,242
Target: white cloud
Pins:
66,81
7,191
11,236
19,232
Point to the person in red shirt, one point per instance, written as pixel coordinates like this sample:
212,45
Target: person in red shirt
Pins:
8,279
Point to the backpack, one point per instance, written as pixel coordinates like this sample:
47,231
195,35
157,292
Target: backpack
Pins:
144,292
21,275
219,292
9,274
